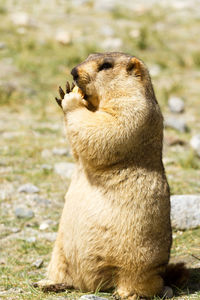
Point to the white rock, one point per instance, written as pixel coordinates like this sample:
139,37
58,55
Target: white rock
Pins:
38,263
15,230
63,37
154,70
185,211
195,143
64,169
44,226
60,151
31,239
28,188
91,297
112,44
23,212
176,104
22,19
177,124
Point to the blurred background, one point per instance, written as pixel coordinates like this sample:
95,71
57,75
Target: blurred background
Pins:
40,41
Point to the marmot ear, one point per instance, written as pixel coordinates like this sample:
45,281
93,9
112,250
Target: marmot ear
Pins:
134,66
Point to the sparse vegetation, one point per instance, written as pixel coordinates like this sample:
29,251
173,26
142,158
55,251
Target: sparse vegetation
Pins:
32,66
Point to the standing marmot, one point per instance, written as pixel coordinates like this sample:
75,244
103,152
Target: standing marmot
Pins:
115,229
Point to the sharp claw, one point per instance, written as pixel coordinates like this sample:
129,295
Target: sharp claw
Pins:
59,101
61,92
67,87
73,85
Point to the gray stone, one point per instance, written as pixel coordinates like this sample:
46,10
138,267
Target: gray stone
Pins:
46,167
60,151
23,212
195,143
41,201
38,263
64,169
177,124
185,211
49,236
91,297
176,104
28,188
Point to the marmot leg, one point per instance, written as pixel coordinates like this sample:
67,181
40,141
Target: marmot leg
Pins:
58,278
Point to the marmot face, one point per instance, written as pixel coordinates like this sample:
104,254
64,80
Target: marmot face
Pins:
110,75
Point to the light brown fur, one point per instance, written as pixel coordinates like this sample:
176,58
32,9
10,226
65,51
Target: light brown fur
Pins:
115,229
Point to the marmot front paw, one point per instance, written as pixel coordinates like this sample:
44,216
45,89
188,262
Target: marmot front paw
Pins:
71,99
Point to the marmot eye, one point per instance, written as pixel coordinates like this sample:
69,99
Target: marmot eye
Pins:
105,66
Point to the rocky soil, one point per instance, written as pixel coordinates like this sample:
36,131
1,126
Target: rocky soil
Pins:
40,41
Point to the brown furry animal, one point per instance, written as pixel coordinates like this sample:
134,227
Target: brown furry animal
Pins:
115,229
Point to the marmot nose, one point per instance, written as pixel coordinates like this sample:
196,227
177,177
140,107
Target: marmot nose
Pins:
74,73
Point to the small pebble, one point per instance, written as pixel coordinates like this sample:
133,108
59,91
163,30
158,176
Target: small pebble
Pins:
154,70
38,263
176,105
28,188
22,19
22,212
63,37
15,229
176,124
60,151
44,226
46,167
91,297
195,143
41,201
185,211
31,239
2,45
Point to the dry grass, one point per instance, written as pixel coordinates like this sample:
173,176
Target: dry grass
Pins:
32,66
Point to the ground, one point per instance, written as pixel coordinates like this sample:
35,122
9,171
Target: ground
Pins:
33,63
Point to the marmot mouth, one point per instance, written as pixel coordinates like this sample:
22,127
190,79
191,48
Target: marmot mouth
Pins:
82,89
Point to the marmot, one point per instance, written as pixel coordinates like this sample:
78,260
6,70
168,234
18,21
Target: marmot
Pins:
115,229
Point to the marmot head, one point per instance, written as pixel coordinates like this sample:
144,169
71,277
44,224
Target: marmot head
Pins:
112,75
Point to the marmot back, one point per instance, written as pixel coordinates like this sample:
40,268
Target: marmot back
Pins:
115,229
